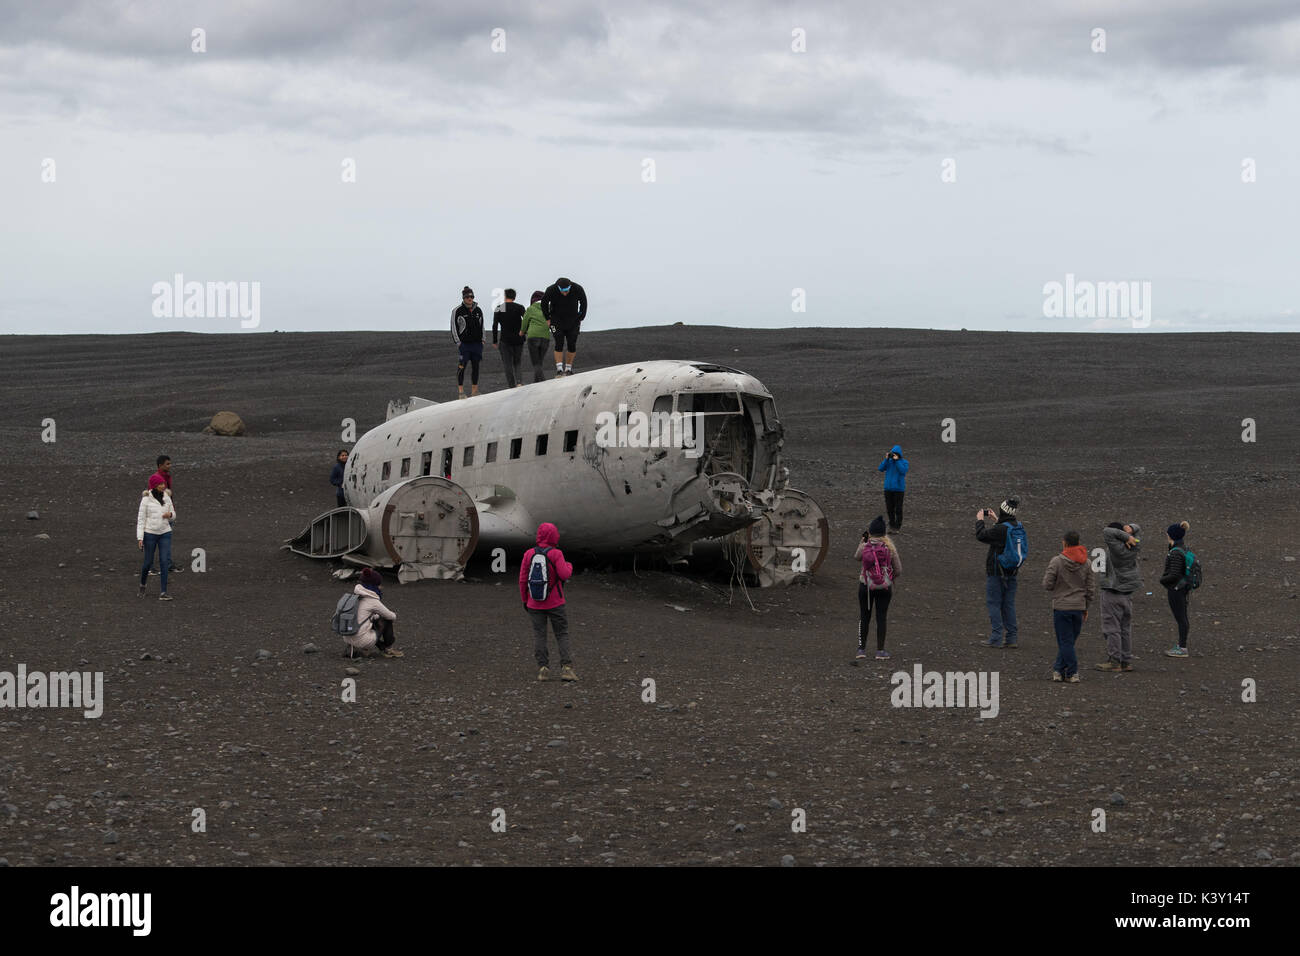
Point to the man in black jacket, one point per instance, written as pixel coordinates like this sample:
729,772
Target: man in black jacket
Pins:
1000,583
467,333
507,318
336,477
565,306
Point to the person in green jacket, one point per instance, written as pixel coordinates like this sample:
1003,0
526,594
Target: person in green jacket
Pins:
537,333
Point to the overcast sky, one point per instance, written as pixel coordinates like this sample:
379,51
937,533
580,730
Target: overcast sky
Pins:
126,158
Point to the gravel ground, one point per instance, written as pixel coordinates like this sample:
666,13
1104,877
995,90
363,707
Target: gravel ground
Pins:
758,711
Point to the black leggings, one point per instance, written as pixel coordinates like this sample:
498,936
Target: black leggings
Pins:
894,508
867,599
1178,604
384,628
460,371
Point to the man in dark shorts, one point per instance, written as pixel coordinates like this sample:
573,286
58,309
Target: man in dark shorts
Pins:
467,333
507,319
565,306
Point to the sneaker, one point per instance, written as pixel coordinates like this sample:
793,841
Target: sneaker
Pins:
1012,646
1074,679
175,569
862,651
1108,666
164,597
544,674
990,643
883,655
1126,667
566,673
1056,676
1176,652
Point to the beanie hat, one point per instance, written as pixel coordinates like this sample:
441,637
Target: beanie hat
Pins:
1177,531
877,526
536,297
155,481
1116,525
1009,506
370,578
466,291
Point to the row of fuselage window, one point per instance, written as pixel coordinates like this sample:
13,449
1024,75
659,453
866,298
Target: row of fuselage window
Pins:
467,456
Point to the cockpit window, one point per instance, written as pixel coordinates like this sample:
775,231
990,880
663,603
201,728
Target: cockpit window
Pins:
708,403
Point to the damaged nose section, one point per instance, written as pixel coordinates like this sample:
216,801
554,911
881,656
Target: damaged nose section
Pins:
777,537
722,504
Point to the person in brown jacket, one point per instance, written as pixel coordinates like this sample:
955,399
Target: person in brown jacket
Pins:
1070,581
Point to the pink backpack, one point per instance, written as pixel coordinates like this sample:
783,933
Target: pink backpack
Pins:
877,566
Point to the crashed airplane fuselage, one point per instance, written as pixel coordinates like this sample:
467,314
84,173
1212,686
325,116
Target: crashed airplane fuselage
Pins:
646,457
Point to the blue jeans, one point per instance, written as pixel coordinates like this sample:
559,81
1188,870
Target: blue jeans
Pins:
1068,624
1000,598
163,542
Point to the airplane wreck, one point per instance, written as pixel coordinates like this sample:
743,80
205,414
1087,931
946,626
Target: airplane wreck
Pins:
659,458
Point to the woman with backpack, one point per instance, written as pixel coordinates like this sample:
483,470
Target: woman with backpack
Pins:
1176,584
374,637
542,574
880,569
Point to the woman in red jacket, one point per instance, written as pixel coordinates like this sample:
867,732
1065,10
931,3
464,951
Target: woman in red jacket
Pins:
541,587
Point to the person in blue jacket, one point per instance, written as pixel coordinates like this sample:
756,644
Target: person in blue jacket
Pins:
895,468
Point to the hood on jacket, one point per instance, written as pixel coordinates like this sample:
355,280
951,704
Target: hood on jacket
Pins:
896,450
1076,553
548,536
360,590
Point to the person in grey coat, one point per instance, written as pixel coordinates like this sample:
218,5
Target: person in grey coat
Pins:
1121,579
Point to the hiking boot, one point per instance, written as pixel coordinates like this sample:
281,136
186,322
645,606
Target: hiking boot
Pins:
566,673
164,596
1074,679
990,643
175,569
1126,667
393,652
883,655
1176,652
1012,646
1056,677
1109,666
544,674
140,593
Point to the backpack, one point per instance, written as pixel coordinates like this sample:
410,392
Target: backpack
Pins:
877,566
344,621
1191,571
1016,549
539,575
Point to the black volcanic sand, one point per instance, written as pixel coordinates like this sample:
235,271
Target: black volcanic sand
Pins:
759,711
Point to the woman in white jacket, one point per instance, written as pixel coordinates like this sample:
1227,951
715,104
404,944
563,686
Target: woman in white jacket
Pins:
374,621
153,531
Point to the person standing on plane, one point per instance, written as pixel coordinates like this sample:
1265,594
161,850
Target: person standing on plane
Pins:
507,318
565,306
467,333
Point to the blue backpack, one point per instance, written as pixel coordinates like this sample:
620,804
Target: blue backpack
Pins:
1016,549
539,575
